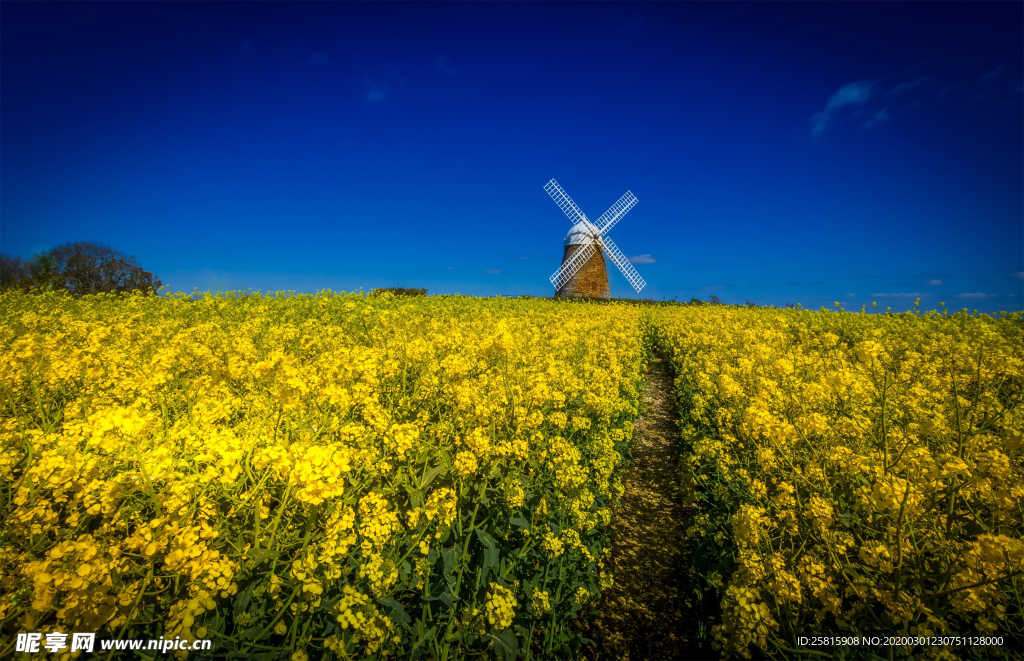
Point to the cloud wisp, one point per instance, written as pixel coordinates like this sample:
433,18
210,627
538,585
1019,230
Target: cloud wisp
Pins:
380,81
444,66
935,283
492,271
852,94
712,287
975,294
640,259
1019,275
633,25
901,294
877,118
317,58
989,76
376,92
907,86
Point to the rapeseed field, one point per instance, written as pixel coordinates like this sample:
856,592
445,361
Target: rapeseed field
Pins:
325,475
855,475
349,476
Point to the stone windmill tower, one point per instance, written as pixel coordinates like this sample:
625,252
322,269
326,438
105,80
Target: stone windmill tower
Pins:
583,271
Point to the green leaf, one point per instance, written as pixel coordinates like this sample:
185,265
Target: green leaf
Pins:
505,643
491,552
487,540
415,495
243,599
508,637
431,474
520,522
441,595
448,555
397,612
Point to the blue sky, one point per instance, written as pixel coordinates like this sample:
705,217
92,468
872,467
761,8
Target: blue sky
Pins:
781,153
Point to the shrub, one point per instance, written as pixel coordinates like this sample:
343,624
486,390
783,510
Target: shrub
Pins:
399,291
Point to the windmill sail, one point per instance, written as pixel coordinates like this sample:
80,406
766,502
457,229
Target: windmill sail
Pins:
616,212
571,266
564,202
583,245
620,260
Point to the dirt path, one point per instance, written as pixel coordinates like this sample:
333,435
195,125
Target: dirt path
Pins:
647,613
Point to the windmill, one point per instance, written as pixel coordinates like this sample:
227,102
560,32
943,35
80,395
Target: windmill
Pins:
583,271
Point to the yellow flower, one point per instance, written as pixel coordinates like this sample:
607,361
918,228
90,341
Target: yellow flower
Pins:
500,607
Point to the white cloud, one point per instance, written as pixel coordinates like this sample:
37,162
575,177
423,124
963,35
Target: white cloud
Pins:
857,93
640,259
712,287
877,119
492,271
450,268
851,296
444,65
975,294
935,283
1019,275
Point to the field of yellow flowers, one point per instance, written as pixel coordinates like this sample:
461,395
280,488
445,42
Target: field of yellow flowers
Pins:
299,476
854,475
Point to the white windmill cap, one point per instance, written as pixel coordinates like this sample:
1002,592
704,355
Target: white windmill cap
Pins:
579,234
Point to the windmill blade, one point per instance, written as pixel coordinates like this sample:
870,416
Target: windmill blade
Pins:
616,212
620,260
569,268
564,202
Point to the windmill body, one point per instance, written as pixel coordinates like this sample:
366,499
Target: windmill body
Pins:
591,280
583,271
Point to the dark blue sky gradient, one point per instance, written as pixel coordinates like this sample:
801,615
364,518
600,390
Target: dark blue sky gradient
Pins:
781,153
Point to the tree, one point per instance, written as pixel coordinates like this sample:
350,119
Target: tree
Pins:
13,272
399,291
81,268
714,300
18,273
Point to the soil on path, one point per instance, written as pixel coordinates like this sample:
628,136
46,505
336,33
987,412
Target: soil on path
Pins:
649,612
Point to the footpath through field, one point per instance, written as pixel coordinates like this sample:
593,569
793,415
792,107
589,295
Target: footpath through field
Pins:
649,612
